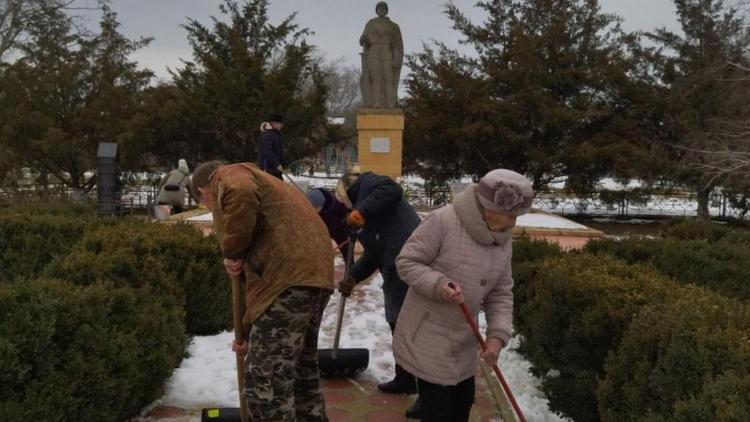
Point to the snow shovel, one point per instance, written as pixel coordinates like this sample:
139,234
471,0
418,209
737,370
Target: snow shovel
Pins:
232,414
480,339
338,362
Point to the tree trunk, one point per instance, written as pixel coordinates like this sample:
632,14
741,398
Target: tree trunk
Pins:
703,199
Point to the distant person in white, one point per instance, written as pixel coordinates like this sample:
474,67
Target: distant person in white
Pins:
172,187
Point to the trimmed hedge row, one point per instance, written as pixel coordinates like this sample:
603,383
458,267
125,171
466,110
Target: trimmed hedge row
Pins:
695,229
722,265
98,336
92,353
577,310
29,242
528,256
685,359
619,342
174,261
54,209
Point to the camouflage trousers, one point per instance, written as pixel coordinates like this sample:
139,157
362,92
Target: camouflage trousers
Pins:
282,380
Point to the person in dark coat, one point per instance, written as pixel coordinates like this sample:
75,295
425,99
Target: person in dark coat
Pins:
271,153
333,213
384,221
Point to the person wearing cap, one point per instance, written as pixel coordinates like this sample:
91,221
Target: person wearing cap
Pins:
461,253
383,221
268,232
270,151
333,213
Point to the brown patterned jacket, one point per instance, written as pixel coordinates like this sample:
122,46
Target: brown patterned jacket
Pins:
273,226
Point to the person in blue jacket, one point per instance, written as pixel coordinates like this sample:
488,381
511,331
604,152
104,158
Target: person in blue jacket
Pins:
271,152
384,221
333,213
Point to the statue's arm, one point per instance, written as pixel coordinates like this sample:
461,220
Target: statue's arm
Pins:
363,38
398,47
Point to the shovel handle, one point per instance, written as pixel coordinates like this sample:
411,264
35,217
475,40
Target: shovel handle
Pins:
342,301
238,338
483,344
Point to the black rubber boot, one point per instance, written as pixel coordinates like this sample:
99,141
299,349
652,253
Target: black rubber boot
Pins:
402,383
415,410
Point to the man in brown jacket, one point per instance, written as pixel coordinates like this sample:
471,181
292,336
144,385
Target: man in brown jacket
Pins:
268,231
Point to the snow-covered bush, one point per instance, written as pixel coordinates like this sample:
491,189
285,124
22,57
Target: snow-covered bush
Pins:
684,359
83,353
577,309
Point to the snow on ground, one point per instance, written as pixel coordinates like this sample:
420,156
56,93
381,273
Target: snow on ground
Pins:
547,221
628,221
207,377
528,220
203,217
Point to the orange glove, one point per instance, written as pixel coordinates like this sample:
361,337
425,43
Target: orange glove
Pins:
355,219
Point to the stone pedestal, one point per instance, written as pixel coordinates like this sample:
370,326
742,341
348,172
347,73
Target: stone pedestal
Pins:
380,140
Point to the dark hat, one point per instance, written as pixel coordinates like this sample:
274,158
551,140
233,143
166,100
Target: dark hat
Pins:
278,118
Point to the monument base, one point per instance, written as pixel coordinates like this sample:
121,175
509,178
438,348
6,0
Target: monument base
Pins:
380,140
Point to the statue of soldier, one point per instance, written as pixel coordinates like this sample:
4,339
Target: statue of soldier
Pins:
382,57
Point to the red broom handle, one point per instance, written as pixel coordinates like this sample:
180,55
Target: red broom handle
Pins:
480,339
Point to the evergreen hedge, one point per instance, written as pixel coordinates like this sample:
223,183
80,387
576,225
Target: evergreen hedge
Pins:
83,353
577,309
174,261
29,242
685,359
722,265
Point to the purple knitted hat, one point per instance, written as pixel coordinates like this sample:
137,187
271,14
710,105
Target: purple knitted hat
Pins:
505,191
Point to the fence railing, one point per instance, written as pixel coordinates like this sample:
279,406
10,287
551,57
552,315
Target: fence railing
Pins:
604,203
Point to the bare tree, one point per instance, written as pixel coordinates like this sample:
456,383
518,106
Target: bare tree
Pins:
343,88
722,150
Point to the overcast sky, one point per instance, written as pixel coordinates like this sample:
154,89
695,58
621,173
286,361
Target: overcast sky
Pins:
337,23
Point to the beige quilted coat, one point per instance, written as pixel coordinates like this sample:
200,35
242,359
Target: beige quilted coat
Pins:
433,340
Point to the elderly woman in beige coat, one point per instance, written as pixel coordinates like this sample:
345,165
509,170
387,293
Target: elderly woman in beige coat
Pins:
466,244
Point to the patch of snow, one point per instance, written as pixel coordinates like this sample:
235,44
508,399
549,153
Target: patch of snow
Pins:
207,377
548,222
628,221
203,217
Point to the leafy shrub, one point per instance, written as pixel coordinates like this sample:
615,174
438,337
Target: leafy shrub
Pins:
528,257
578,307
54,209
722,265
91,353
174,261
695,229
684,359
29,242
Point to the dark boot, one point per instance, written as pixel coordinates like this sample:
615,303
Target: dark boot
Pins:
402,383
415,410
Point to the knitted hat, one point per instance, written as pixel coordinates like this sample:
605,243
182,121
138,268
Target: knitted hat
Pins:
317,199
505,191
